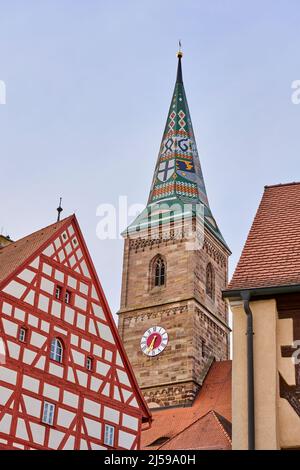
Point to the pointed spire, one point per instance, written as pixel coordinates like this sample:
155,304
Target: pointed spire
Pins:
178,175
179,68
178,171
59,210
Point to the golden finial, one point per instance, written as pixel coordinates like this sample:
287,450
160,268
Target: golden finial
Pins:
179,53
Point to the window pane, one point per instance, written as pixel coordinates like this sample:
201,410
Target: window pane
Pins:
45,414
109,435
209,281
159,272
48,413
22,334
56,352
58,292
51,415
67,297
89,363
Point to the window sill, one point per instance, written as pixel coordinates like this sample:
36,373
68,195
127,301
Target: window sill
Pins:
157,289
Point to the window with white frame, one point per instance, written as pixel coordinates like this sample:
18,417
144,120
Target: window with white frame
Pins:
67,297
48,413
56,351
89,363
22,335
58,292
109,435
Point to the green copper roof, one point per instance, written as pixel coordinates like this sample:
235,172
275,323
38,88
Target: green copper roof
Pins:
178,176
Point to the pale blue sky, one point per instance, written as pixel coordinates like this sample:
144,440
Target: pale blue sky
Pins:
89,84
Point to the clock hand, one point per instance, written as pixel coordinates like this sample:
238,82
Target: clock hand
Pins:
152,344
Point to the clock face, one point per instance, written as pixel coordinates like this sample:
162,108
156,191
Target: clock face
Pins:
154,341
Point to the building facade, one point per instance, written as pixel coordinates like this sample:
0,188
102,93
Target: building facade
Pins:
173,320
65,381
264,296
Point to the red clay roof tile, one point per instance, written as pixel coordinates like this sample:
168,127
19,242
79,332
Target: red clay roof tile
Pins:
271,255
215,395
13,255
210,432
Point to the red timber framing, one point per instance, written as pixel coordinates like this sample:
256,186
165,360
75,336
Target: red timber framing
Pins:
86,399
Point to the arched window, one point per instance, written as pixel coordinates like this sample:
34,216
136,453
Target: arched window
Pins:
56,352
210,284
158,272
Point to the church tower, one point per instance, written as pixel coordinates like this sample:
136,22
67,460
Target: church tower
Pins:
172,319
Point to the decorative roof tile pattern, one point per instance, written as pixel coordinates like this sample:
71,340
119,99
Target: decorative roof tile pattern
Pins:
178,172
178,177
271,255
171,423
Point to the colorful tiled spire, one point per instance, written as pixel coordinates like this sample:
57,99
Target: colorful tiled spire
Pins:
178,172
178,177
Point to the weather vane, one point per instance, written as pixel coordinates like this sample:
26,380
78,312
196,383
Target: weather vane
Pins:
179,53
59,210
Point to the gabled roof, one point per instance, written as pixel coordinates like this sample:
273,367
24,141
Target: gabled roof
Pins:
14,256
210,432
271,255
16,253
215,395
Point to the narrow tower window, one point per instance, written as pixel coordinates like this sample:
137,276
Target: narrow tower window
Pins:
56,352
159,272
210,288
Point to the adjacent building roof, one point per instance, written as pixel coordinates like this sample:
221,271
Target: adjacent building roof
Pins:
210,432
204,425
271,255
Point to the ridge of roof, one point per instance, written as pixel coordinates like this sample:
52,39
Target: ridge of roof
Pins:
278,185
211,412
60,222
222,420
215,394
16,253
